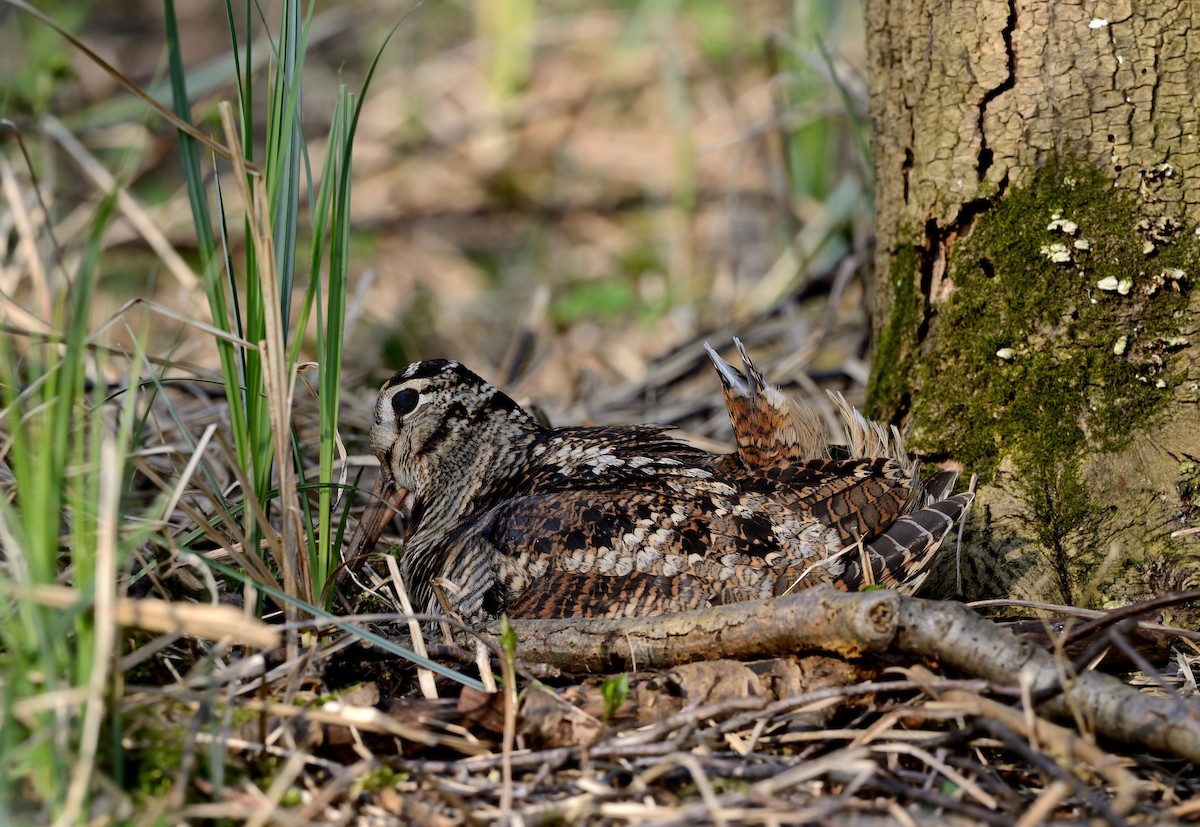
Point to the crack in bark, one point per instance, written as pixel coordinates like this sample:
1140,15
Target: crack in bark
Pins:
938,238
1111,88
985,158
937,246
906,170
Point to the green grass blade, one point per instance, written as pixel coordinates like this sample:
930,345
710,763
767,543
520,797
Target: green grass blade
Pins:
50,463
206,243
331,332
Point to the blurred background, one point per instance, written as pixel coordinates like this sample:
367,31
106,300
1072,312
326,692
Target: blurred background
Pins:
567,196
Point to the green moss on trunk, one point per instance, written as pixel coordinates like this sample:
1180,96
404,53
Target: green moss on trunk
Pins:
897,339
1058,335
1055,346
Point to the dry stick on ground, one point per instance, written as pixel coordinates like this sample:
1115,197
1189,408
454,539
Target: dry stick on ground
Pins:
1061,742
823,619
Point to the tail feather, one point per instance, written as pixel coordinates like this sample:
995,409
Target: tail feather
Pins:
903,555
866,438
939,485
773,429
770,427
732,379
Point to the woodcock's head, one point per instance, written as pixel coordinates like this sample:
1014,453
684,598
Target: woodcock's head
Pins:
442,436
438,423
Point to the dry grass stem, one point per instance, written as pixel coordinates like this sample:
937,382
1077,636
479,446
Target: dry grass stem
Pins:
126,203
424,676
203,621
24,224
104,602
1060,740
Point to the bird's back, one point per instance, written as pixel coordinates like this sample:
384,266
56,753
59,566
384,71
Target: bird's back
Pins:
509,516
637,524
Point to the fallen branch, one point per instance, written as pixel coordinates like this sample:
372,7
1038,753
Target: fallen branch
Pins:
822,619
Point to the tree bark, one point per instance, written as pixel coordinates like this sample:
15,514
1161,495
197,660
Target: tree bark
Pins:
1036,317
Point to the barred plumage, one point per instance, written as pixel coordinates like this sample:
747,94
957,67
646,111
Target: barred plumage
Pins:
624,521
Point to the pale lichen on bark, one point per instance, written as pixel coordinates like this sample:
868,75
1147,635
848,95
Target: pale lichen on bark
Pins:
970,102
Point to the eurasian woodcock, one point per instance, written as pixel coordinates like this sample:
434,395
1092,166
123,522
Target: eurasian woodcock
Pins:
504,515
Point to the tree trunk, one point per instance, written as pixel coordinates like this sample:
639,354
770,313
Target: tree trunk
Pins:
1036,311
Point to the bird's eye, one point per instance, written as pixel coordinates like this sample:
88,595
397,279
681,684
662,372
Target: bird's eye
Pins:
405,401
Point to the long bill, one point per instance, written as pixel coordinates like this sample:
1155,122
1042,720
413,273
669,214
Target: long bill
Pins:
387,500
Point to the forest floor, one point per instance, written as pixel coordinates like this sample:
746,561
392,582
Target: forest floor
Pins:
572,218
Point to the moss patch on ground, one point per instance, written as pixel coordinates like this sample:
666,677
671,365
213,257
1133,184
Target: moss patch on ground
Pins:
1058,337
